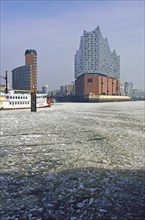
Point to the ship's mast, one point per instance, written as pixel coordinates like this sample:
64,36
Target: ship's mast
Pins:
6,79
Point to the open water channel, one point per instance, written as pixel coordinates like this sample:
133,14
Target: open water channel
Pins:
73,161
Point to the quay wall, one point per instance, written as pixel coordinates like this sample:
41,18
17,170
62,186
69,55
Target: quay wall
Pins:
106,98
93,98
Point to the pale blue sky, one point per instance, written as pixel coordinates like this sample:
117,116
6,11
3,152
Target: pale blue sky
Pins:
54,28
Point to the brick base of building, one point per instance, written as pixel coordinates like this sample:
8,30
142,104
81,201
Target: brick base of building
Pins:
97,84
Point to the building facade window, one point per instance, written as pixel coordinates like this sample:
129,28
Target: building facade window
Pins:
90,80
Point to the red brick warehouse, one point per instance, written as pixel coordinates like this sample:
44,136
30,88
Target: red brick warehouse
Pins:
96,84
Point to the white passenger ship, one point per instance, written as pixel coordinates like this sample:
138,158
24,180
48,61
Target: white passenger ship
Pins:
11,100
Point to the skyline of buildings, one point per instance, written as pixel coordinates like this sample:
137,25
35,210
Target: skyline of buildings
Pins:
121,22
102,69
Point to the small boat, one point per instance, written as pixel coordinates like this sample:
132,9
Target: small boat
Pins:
11,101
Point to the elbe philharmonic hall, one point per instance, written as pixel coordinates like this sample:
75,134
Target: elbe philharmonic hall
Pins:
97,68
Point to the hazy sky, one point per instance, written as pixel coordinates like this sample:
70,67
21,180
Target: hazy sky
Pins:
53,29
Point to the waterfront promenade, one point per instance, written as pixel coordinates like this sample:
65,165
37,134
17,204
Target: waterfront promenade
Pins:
75,161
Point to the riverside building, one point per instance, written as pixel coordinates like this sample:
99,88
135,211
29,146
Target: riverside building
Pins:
25,77
128,88
31,59
97,68
21,77
87,84
45,89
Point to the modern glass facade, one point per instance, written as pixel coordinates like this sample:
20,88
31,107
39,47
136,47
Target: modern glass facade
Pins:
21,77
128,88
94,56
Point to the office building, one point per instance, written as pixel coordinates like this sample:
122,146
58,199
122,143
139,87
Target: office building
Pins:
138,94
128,88
21,77
69,89
122,88
31,59
94,56
62,91
45,89
25,77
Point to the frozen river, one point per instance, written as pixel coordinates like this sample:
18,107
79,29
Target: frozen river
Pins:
73,161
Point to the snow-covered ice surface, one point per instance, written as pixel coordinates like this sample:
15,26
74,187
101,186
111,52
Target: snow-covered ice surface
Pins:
73,161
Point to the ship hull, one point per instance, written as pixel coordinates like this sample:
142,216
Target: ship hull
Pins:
15,101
